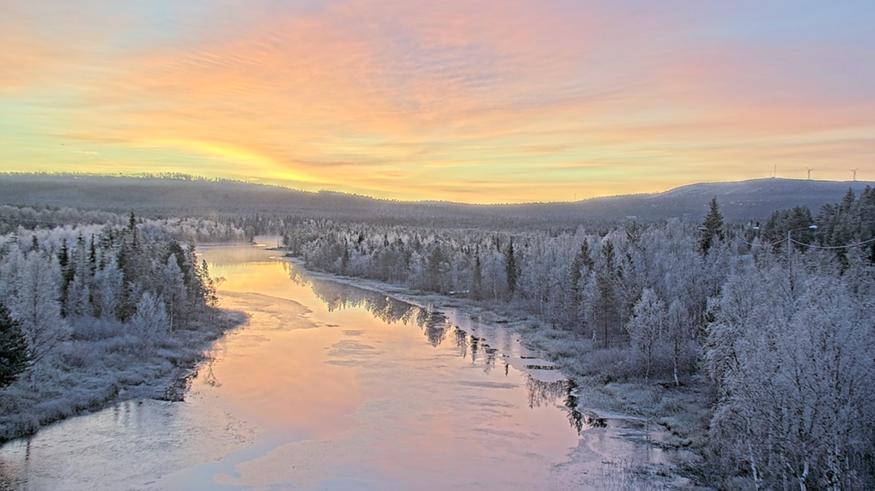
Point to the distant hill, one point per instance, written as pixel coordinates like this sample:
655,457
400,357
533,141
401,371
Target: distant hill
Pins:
186,196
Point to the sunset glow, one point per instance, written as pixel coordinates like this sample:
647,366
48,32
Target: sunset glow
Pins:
474,101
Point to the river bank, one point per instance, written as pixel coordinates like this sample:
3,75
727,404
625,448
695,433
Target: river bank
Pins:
89,374
678,416
355,388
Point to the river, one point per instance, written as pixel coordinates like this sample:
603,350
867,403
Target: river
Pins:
328,386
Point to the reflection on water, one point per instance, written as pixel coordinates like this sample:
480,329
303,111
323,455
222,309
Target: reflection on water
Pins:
437,328
333,387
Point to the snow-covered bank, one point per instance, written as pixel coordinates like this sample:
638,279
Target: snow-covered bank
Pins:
95,314
93,372
654,413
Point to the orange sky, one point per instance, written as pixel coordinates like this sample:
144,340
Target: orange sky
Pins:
476,101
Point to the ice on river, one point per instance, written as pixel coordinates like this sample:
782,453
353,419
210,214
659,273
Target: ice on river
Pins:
332,387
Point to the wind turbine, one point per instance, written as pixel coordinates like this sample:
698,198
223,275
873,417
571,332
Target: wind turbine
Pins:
854,173
809,169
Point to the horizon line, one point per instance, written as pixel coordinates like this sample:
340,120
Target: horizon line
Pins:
181,176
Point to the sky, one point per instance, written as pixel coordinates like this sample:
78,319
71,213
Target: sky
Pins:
463,100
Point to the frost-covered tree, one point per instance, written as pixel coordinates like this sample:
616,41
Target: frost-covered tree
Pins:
742,308
677,327
791,351
578,271
511,271
109,290
13,348
477,278
712,227
173,290
36,305
150,320
646,326
78,298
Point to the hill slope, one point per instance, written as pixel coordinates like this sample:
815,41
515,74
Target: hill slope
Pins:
153,195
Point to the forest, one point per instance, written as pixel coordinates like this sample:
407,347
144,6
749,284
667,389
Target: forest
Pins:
94,312
750,341
767,326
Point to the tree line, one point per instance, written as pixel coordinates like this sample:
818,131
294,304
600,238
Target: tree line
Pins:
782,335
134,281
21,220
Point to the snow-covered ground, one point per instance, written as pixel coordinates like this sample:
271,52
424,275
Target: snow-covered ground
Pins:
93,373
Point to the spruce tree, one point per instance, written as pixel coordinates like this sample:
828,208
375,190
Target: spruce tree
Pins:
477,276
711,227
582,264
13,348
511,269
92,256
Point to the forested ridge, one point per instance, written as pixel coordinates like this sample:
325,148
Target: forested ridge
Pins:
773,319
186,195
87,311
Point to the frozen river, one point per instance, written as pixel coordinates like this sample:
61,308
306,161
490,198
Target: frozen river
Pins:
333,387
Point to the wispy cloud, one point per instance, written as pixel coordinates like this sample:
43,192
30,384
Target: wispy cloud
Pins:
471,100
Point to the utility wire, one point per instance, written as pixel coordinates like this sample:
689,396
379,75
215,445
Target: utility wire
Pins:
846,246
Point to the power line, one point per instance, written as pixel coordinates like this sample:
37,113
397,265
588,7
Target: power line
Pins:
846,246
781,241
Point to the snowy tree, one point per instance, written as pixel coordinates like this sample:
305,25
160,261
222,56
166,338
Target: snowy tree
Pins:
13,348
647,326
109,290
677,329
36,305
477,278
173,290
792,351
436,268
712,227
78,297
578,271
10,269
151,319
511,269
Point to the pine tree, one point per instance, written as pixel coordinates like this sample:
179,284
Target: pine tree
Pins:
173,290
208,286
579,267
109,290
605,306
712,227
511,269
13,348
477,277
435,268
78,296
67,273
92,256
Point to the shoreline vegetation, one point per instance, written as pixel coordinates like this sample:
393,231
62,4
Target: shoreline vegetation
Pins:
164,375
750,343
97,314
681,412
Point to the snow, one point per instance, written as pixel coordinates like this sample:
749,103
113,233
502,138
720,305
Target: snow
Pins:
92,373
